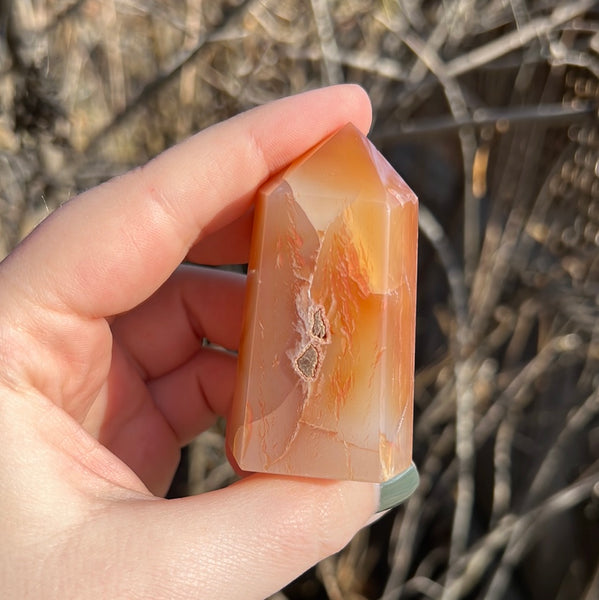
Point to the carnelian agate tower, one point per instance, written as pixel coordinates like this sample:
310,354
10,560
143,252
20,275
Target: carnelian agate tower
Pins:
326,364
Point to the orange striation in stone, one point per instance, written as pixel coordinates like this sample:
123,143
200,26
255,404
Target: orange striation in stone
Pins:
326,363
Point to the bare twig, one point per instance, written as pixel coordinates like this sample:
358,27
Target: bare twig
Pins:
465,453
554,114
169,74
463,370
70,11
525,530
517,39
404,536
575,425
520,533
327,571
501,253
460,110
433,231
380,66
328,44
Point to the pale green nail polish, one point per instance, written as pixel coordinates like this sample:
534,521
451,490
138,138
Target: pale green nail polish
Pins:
399,489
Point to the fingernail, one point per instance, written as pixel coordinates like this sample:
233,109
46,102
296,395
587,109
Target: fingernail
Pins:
399,489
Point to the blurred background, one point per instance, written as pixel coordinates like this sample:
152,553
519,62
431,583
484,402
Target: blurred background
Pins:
489,110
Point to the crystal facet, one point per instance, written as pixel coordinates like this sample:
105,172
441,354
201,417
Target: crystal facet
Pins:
326,363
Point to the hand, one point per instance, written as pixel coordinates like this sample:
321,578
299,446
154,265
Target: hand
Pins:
103,378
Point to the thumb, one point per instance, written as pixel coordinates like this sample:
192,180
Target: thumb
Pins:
246,541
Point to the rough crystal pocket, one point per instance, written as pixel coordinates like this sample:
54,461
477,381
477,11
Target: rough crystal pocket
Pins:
326,363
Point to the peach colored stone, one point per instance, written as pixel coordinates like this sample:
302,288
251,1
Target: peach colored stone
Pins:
326,364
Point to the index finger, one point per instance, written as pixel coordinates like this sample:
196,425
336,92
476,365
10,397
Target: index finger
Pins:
111,248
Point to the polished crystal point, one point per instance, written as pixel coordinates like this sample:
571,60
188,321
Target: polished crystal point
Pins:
326,363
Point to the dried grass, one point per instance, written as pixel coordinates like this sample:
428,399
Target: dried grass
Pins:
489,110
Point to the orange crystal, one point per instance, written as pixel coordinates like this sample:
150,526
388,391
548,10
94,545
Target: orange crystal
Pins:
326,363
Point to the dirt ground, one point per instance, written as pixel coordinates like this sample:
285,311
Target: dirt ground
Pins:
489,110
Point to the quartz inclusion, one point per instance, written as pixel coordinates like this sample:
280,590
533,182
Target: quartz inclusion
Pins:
326,363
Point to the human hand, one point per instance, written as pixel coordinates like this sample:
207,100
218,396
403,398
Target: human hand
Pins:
103,377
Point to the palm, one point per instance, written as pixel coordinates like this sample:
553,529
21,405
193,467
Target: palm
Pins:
134,428
158,385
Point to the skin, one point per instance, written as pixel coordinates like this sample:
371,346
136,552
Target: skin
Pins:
103,378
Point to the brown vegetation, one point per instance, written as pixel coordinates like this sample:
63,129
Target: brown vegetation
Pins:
488,108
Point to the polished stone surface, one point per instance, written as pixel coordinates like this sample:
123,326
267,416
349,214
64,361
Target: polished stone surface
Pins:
326,365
